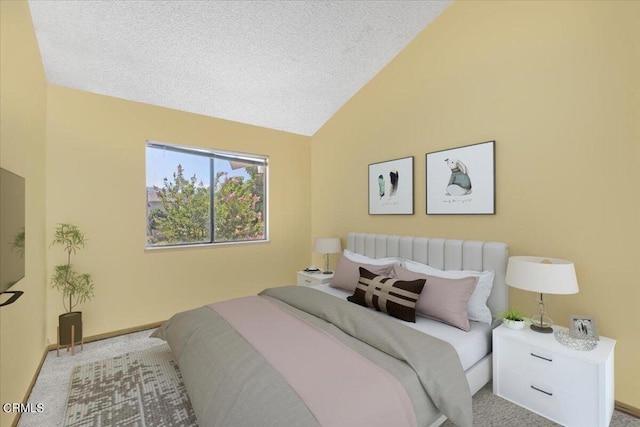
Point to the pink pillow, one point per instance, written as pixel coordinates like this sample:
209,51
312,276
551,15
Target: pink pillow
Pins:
442,299
348,273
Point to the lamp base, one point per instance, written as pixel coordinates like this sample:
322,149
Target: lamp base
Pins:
542,329
540,322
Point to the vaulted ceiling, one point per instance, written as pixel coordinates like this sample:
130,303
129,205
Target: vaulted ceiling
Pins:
285,65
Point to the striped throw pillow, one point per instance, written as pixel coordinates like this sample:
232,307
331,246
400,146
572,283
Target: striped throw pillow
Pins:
392,296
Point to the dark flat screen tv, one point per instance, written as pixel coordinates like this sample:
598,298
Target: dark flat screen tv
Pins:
12,231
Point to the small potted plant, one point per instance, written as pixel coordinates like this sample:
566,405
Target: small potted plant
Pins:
76,288
512,318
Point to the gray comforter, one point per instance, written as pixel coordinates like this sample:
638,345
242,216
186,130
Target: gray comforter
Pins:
231,384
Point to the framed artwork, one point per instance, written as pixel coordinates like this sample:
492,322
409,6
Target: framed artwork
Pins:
583,326
462,180
391,187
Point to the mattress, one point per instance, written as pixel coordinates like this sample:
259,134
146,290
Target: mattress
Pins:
471,346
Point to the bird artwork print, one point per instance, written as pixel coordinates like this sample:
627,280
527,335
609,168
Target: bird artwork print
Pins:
381,186
393,178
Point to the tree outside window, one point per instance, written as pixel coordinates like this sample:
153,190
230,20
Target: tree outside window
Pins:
184,208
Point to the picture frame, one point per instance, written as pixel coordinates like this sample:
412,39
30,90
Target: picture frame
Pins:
391,187
462,180
583,326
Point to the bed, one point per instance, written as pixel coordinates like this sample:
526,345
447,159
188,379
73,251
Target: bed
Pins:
296,356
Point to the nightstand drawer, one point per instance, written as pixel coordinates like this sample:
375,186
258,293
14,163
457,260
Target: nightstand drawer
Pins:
313,279
547,366
306,281
553,400
539,397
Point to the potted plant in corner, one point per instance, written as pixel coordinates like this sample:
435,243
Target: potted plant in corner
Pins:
512,318
76,288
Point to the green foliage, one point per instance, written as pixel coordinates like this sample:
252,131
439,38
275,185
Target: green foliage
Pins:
155,217
238,206
511,314
185,211
77,287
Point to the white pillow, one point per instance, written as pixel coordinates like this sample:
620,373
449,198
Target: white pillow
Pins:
352,256
477,305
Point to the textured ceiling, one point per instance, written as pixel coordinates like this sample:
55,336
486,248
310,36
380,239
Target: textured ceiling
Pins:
286,65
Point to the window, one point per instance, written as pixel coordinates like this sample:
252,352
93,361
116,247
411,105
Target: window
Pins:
197,196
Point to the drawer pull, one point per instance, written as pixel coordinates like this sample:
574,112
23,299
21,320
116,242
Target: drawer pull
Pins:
542,357
542,391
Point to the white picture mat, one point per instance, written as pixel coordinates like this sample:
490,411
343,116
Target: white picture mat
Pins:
479,160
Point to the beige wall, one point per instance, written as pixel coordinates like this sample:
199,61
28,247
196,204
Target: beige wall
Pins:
556,85
96,180
22,140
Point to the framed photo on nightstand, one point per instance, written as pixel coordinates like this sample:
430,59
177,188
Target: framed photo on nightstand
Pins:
583,326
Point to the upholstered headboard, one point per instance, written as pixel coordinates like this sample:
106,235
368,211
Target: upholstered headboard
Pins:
445,254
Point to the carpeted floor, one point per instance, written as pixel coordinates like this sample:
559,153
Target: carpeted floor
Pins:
53,385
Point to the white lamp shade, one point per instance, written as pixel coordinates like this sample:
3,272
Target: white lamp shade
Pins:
543,275
327,245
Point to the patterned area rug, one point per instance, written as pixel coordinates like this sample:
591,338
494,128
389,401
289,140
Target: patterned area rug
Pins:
136,389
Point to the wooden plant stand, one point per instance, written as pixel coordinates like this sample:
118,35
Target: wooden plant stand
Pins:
73,342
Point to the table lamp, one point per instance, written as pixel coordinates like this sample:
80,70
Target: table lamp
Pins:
326,246
543,276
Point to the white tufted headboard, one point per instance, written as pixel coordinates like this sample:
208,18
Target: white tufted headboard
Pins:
445,254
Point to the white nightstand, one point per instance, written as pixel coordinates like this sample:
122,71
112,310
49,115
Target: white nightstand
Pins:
570,387
313,279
